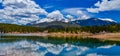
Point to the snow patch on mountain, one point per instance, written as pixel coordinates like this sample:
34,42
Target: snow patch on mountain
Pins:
68,20
108,19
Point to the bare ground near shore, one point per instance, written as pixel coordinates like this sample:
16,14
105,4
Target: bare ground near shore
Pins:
105,36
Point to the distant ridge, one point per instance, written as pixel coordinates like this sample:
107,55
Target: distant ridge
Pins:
85,22
93,22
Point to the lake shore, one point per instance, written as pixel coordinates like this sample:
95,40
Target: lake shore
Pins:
104,36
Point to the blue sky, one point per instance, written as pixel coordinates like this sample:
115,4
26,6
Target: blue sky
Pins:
64,4
25,11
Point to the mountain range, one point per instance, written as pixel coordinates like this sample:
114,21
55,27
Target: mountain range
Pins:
68,23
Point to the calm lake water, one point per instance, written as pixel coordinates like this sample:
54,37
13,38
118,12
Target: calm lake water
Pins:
52,46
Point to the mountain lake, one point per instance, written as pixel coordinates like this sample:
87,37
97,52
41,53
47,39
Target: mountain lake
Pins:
53,46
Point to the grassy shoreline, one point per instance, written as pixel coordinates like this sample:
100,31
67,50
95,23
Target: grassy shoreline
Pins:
103,36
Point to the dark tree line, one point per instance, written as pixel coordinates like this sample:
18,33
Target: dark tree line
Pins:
7,28
90,29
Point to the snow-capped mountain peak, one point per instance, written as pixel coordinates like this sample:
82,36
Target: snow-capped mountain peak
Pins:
85,22
107,19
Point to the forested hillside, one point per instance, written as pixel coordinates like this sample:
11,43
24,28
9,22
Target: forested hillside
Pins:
17,28
90,29
7,28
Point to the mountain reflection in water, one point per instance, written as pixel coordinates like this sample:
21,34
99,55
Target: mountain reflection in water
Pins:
39,46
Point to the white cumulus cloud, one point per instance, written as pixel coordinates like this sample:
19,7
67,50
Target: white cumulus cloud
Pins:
76,12
56,15
105,5
70,18
53,16
20,11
